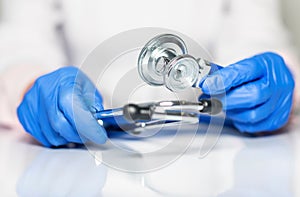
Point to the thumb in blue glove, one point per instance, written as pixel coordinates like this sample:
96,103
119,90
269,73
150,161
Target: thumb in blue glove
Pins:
58,109
257,92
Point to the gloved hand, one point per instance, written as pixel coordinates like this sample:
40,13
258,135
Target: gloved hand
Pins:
258,92
58,109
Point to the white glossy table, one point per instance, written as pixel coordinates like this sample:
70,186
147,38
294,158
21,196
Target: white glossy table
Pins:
236,166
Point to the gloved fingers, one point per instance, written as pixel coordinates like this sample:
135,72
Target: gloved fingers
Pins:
253,115
94,101
232,76
274,121
52,136
77,112
28,121
86,124
88,88
214,68
34,131
98,100
64,128
247,96
91,95
61,125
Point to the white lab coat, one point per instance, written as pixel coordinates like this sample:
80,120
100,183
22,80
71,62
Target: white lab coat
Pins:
32,42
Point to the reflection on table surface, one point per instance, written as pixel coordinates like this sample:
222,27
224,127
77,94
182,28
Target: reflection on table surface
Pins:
236,166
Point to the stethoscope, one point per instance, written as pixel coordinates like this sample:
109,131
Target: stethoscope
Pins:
164,60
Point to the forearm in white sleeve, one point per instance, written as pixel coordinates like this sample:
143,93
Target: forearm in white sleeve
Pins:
28,48
255,26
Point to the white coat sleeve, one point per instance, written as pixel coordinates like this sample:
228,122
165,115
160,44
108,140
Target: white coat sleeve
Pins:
255,26
29,47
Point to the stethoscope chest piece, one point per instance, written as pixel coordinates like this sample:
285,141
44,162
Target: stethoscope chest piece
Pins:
155,56
164,60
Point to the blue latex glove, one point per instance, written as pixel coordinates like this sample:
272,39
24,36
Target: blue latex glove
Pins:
58,108
259,92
